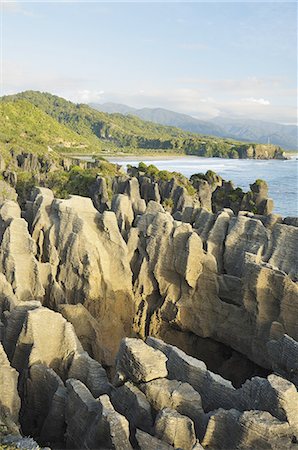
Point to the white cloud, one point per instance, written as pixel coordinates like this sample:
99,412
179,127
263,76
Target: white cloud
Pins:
86,95
193,102
259,101
246,87
207,100
246,98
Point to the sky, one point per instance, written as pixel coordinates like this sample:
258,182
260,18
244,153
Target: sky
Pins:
207,59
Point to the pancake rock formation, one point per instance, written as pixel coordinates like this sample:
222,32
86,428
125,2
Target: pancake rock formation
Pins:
149,320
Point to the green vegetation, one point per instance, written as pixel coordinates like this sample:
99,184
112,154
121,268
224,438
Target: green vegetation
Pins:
164,175
77,128
25,182
76,181
168,204
24,127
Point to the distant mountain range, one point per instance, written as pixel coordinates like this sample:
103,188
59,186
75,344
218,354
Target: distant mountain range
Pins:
45,123
241,129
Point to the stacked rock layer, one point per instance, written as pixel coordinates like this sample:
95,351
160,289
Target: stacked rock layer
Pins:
80,286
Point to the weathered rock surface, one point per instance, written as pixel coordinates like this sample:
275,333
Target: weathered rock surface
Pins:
90,372
216,284
10,400
283,353
87,328
78,243
41,327
173,394
251,429
44,415
175,429
236,272
129,401
93,423
214,390
148,442
7,192
265,415
139,362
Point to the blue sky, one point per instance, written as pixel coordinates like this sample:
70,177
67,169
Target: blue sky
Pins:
201,58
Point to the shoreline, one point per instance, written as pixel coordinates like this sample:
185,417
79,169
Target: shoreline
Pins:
168,156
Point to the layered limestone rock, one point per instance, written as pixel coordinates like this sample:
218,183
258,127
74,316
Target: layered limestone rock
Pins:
175,429
87,328
251,429
213,283
122,207
44,414
163,393
214,390
88,263
17,255
90,372
7,192
93,423
148,442
131,188
132,403
214,280
41,327
10,400
283,352
139,362
237,272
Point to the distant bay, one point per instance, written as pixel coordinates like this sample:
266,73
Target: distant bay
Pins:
281,176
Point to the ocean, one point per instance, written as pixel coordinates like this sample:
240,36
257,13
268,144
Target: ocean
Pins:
281,176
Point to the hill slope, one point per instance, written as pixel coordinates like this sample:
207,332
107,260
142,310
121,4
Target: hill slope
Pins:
129,134
24,126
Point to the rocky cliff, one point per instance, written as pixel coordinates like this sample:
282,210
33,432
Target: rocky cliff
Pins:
213,292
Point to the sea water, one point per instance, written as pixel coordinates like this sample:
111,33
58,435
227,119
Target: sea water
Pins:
281,176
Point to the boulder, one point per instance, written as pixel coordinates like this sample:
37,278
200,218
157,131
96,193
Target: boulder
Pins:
114,428
129,401
214,390
163,393
175,429
148,442
251,429
91,373
139,362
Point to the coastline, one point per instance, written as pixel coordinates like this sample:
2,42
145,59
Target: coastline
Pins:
166,156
